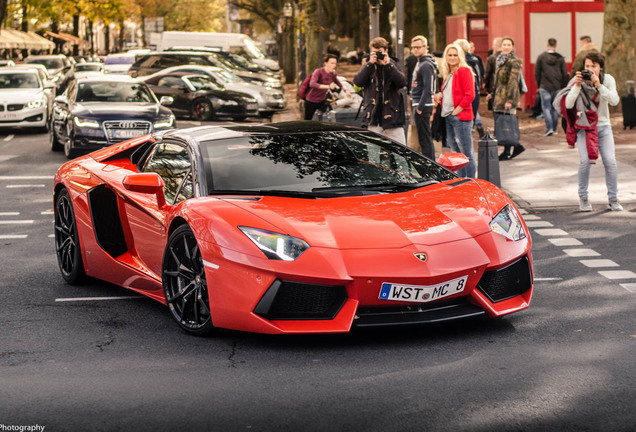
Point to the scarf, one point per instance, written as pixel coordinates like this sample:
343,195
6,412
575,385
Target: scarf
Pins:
503,58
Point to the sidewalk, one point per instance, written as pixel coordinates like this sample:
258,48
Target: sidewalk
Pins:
546,174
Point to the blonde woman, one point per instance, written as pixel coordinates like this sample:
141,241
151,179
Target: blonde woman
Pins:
458,92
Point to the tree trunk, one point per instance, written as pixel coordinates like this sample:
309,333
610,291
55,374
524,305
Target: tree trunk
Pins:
416,20
441,9
619,41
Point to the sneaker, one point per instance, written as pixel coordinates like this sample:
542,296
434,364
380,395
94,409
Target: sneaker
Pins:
517,151
554,132
614,205
548,133
584,204
504,156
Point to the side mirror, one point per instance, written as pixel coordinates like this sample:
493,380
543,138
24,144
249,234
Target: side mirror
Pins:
166,100
453,161
148,183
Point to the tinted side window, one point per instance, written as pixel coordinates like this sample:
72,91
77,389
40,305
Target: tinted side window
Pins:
172,60
171,82
172,163
148,61
197,60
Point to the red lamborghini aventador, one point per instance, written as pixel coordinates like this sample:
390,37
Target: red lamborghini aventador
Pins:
293,227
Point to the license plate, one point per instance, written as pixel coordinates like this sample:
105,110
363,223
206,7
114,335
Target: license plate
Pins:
421,293
7,116
128,133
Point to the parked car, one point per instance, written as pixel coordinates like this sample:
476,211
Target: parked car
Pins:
243,70
198,97
98,111
269,100
49,85
119,63
80,70
298,227
24,98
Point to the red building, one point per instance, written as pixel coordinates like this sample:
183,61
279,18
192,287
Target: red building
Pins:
531,23
472,27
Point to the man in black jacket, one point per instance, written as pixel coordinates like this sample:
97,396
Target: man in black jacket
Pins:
551,75
383,106
423,87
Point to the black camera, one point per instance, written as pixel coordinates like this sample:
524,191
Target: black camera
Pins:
379,55
586,75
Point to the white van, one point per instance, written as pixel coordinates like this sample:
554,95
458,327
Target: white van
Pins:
231,42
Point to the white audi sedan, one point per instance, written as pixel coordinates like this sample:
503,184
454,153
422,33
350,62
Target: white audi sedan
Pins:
24,99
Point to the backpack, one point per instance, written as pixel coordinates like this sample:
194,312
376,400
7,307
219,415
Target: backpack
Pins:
302,91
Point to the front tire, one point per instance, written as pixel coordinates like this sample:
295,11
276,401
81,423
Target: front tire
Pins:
69,151
202,110
184,285
55,143
67,245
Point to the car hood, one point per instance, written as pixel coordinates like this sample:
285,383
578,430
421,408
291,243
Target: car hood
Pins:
432,215
142,111
19,95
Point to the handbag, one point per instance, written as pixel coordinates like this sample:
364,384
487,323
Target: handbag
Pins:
507,129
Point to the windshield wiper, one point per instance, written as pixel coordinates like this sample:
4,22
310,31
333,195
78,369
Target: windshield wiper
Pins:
272,192
376,187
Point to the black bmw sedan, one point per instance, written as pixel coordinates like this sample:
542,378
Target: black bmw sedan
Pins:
197,96
95,112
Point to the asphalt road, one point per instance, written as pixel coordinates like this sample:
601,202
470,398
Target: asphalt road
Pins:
567,363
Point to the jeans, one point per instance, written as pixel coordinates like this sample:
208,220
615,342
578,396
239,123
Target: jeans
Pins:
396,134
606,150
424,134
550,115
459,137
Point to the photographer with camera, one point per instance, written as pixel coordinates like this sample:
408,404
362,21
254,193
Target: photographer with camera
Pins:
383,104
586,101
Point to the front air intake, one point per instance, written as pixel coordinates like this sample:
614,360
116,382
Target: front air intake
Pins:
507,282
300,301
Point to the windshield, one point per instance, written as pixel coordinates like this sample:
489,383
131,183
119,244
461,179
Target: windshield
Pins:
87,67
119,60
54,63
113,92
19,80
227,77
324,163
201,82
252,50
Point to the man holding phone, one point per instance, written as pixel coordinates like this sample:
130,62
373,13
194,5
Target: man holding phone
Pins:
383,105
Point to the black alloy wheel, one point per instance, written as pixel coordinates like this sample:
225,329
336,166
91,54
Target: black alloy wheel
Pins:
184,285
202,110
67,246
70,151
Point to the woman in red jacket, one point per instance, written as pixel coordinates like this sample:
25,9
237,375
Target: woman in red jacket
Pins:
458,92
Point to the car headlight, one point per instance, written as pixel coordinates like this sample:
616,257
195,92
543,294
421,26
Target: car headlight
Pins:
88,123
35,104
508,224
275,245
164,123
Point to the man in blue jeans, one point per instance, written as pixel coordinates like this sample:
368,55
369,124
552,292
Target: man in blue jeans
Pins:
551,75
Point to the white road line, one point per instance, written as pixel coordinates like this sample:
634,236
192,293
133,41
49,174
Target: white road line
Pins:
25,186
547,232
27,177
631,287
597,263
547,279
581,252
565,241
538,224
12,236
51,235
47,212
9,213
72,299
15,222
9,137
618,274
531,217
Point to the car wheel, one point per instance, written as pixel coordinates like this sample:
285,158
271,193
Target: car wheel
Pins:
69,151
239,118
184,285
55,143
202,110
67,246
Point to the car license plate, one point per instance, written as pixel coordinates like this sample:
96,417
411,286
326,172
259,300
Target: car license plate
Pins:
128,133
421,293
8,116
